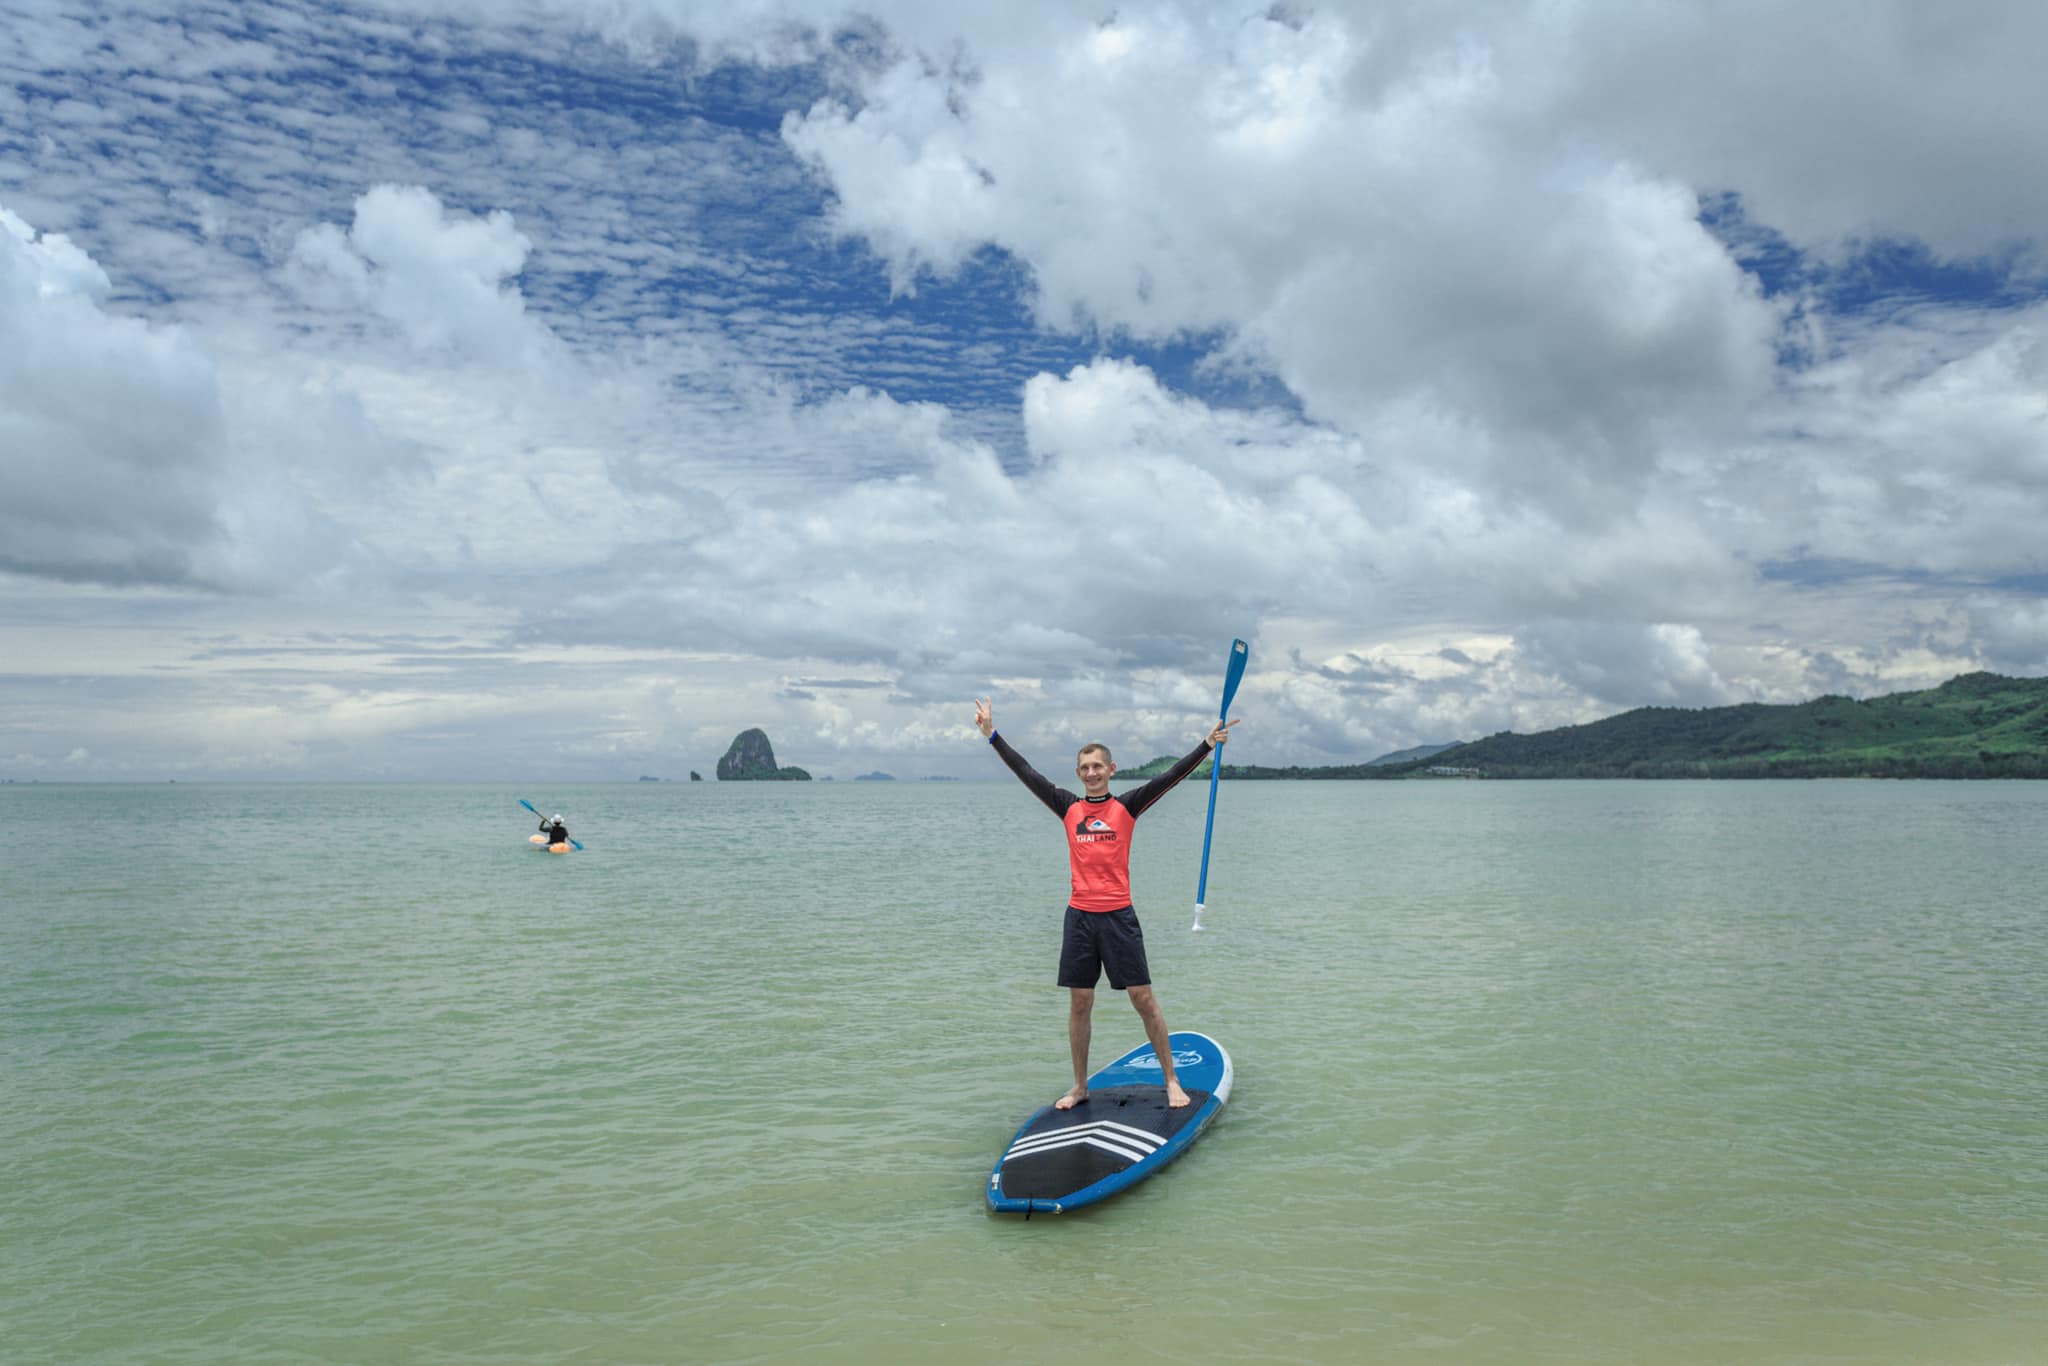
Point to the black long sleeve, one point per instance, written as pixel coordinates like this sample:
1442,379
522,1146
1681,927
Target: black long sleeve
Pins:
1138,798
1058,799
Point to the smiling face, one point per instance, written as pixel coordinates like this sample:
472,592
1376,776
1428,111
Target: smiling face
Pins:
1094,768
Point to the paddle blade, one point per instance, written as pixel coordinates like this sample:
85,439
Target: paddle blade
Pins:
529,806
1233,675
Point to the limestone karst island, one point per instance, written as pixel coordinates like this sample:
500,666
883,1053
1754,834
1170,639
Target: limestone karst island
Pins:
751,759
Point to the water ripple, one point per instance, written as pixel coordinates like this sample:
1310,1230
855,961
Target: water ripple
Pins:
1527,1073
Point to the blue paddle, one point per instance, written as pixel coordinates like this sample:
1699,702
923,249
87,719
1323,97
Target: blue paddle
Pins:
1232,676
536,811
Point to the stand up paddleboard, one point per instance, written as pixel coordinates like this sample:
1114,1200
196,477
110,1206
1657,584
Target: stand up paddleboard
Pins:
1064,1159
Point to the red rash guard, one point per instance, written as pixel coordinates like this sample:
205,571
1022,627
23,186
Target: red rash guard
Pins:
1098,828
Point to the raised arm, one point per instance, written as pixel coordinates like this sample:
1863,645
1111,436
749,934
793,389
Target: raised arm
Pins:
1138,798
1056,799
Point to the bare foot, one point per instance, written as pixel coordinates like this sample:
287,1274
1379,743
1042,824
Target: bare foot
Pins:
1079,1094
1175,1097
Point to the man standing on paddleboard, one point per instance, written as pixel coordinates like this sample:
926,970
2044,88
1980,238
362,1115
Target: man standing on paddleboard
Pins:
1102,930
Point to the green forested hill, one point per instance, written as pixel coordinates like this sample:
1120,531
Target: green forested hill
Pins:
1978,725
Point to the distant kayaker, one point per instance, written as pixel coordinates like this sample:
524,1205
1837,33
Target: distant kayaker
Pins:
553,828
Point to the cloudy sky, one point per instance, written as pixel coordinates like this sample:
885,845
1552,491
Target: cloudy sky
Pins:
526,389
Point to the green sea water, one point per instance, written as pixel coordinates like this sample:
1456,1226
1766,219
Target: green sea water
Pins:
1526,1072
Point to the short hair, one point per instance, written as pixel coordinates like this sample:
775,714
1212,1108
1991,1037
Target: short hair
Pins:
1082,752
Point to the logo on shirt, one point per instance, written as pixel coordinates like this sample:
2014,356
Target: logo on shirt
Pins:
1090,829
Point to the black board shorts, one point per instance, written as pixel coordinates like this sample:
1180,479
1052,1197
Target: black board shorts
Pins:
1099,940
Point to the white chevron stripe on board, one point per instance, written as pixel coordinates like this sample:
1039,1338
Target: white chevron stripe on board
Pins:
1105,1133
1107,1127
1076,1140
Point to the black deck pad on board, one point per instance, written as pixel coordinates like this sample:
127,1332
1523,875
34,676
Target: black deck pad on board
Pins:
1067,1150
